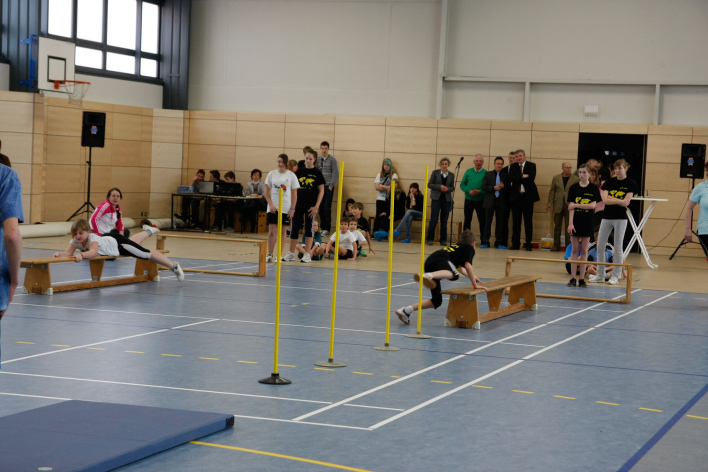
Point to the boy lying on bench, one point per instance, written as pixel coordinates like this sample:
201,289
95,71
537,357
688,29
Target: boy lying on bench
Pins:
445,264
90,245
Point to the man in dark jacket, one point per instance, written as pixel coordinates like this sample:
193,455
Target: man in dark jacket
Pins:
441,185
522,198
495,184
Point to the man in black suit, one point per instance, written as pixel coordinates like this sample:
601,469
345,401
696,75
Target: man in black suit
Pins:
524,194
441,185
495,185
507,208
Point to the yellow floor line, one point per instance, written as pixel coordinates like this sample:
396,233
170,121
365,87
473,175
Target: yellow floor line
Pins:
697,417
286,365
362,373
322,368
23,342
172,355
293,306
481,386
567,398
209,358
521,391
247,362
608,403
651,409
440,382
700,298
136,352
305,303
371,276
97,348
395,376
282,456
60,345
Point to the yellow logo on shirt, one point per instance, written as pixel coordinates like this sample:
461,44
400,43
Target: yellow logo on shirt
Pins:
618,194
451,248
306,181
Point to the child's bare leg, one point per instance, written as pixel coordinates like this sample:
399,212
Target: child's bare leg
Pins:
584,243
140,237
592,270
282,239
300,249
342,251
441,275
272,237
426,304
308,243
160,258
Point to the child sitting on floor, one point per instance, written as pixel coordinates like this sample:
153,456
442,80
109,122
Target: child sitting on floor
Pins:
360,239
346,244
362,225
91,245
316,243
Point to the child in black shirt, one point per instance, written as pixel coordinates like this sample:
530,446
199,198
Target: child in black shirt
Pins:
445,264
582,198
309,197
362,225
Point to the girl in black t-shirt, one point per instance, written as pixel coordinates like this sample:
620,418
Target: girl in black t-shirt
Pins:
309,197
617,192
582,198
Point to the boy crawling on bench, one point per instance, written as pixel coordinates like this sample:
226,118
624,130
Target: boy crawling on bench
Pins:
91,245
445,264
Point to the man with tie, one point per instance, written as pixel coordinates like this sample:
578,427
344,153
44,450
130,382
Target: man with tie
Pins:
507,208
523,196
558,202
495,185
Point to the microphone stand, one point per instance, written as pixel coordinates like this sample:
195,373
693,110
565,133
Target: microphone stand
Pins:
452,200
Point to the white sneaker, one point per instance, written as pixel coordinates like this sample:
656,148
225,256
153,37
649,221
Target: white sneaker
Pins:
613,280
289,257
595,279
427,280
178,272
270,258
306,258
403,316
324,233
150,230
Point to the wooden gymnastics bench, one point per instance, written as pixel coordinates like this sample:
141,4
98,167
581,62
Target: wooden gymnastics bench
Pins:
462,312
38,278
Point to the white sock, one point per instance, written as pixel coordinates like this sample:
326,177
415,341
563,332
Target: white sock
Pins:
408,310
428,275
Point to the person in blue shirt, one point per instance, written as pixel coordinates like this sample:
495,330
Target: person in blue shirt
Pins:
10,237
699,197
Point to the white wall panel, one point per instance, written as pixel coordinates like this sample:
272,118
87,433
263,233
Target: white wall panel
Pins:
684,105
497,101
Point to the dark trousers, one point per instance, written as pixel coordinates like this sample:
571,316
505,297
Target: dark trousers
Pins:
497,212
558,219
441,209
249,212
506,213
228,207
703,239
192,203
381,223
522,207
326,210
470,207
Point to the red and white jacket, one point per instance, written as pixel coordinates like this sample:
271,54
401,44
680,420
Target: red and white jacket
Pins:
105,217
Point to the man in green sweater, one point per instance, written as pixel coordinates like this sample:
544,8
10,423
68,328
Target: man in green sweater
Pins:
474,195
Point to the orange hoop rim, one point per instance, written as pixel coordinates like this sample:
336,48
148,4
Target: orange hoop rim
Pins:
57,83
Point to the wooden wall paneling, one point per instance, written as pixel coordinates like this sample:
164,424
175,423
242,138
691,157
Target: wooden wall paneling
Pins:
99,156
127,110
460,123
554,145
361,189
167,130
37,185
64,121
109,126
694,140
263,158
546,169
657,229
210,157
212,115
166,180
127,127
359,163
17,146
265,117
675,207
503,141
65,179
127,179
36,209
38,118
145,180
136,204
461,142
411,122
219,132
666,149
24,172
59,206
64,150
101,180
160,205
670,130
512,125
126,153
359,138
259,134
613,128
409,167
309,118
16,117
663,177
299,135
359,120
146,129
700,131
556,126
167,155
17,96
411,139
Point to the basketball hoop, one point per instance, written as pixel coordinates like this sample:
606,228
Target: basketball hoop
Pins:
75,88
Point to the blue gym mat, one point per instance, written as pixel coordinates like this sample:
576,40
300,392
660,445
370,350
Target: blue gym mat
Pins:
92,436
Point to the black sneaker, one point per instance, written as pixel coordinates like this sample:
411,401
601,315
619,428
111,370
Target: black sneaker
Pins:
582,284
572,282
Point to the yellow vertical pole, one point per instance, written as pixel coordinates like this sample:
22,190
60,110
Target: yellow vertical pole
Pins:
275,378
386,347
330,362
422,259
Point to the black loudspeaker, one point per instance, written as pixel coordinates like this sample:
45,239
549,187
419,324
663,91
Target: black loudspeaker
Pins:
693,160
93,129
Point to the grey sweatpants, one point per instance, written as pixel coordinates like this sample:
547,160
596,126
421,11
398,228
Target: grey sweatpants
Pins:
606,227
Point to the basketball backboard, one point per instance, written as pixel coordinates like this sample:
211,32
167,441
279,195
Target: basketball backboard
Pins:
55,61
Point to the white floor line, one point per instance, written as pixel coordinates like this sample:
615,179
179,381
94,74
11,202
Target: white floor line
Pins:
529,345
414,374
114,311
163,387
375,407
508,366
105,342
392,286
33,396
302,422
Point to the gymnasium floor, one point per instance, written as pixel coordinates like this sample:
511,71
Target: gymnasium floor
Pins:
574,386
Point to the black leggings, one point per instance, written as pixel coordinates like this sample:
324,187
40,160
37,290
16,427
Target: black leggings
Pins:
434,264
704,240
300,214
126,247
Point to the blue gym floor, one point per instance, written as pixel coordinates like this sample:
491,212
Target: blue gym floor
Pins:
574,386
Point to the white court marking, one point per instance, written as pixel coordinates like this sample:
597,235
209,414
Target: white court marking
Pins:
392,286
34,396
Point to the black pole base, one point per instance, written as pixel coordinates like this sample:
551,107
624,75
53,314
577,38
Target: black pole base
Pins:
275,379
87,207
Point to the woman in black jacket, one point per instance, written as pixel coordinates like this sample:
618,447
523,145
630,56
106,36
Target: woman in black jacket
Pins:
414,204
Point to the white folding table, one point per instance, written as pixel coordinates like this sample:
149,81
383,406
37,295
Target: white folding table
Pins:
638,228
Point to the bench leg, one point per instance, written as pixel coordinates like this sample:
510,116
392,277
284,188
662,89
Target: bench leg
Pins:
38,280
525,292
145,267
462,311
96,269
495,299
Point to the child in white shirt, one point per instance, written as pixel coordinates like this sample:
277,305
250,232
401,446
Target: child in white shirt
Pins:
360,239
346,243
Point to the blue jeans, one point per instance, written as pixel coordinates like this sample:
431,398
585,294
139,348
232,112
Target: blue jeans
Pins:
408,219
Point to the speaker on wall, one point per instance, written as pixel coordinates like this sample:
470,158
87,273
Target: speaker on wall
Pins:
693,160
93,129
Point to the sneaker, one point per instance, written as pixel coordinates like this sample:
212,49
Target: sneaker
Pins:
427,281
287,233
406,241
324,233
289,257
582,284
216,229
613,280
150,230
362,254
270,258
403,316
396,233
316,257
178,272
380,235
429,242
571,283
443,243
306,258
484,246
595,279
501,246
